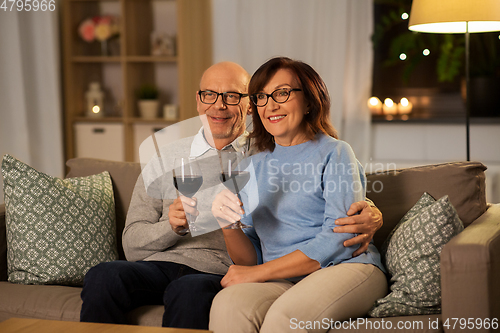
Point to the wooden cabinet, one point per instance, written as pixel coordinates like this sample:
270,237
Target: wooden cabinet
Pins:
128,63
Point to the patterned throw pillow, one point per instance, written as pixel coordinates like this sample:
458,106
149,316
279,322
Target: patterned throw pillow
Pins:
425,200
412,259
57,229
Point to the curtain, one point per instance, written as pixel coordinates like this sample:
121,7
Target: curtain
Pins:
30,100
333,36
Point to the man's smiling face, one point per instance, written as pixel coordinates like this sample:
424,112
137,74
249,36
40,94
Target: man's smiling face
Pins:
226,122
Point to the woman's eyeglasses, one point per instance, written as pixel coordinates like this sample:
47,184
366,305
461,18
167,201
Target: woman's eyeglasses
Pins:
279,96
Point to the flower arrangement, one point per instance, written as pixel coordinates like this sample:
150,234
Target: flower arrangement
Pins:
100,28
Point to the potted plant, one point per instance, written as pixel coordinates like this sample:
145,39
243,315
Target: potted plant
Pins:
148,101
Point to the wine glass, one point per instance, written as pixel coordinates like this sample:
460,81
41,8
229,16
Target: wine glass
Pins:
187,180
234,176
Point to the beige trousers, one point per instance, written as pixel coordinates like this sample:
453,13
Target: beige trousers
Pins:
335,293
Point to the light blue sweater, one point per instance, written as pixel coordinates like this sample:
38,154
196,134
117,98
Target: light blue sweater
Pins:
295,196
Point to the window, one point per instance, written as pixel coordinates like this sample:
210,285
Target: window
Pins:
429,69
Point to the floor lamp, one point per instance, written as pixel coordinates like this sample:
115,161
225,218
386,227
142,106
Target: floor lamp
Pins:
457,16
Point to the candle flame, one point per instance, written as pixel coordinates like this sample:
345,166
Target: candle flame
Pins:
374,101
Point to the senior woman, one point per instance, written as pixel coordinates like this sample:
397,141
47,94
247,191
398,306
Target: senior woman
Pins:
291,272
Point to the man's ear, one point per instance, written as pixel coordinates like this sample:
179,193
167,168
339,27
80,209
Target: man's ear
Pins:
249,110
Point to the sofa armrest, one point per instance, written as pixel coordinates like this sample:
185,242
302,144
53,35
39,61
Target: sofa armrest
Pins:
3,245
470,270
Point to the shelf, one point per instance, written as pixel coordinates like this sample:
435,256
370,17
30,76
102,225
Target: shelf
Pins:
131,59
151,59
137,120
133,120
97,120
96,59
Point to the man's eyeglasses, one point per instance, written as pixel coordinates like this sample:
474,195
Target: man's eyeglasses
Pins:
229,97
279,96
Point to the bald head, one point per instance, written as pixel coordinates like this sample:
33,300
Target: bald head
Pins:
225,73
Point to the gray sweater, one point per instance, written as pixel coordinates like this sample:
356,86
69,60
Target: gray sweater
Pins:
148,234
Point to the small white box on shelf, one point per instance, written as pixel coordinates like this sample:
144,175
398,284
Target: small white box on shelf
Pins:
104,141
170,112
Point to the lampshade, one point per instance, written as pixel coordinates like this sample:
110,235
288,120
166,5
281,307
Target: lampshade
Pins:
450,16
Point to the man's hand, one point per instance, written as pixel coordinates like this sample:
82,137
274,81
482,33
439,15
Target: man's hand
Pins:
177,214
365,225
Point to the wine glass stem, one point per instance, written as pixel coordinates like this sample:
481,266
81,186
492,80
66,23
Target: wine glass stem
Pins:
191,219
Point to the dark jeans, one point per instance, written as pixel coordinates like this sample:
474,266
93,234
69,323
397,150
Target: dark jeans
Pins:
112,289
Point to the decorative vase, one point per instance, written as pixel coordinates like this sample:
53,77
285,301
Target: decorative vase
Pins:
148,108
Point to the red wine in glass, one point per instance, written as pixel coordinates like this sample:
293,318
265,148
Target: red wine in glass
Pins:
188,185
187,180
235,180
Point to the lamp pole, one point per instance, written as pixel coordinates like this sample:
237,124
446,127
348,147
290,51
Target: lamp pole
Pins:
467,89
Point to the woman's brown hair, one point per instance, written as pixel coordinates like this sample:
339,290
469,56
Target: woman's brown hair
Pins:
315,93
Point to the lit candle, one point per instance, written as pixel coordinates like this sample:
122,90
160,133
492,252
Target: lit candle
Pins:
389,107
405,106
375,105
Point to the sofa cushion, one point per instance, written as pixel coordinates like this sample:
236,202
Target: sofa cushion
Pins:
424,201
413,259
147,315
394,192
43,302
60,303
56,229
123,176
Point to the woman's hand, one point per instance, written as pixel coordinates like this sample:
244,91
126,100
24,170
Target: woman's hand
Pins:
177,214
241,274
226,207
290,265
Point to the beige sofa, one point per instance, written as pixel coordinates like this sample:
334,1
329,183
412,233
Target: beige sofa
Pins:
470,262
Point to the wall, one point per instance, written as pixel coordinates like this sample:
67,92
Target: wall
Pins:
412,144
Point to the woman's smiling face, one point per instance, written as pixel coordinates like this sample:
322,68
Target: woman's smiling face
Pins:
284,120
